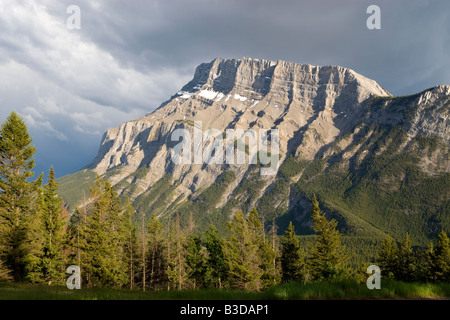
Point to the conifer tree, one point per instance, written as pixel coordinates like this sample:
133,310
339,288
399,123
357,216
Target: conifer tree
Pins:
48,264
441,258
143,243
216,265
292,259
131,246
101,240
242,254
328,256
266,253
424,264
387,258
195,261
35,238
275,243
406,262
18,195
157,265
177,269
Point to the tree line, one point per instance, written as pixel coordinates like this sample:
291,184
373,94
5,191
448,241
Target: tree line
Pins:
401,262
115,246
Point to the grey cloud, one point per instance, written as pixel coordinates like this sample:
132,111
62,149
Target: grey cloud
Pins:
130,56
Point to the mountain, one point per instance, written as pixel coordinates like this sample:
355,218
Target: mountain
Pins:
378,163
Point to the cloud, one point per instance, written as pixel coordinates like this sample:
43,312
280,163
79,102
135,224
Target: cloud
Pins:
45,126
130,56
33,37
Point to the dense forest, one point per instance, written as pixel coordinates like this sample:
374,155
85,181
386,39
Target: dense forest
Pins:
116,247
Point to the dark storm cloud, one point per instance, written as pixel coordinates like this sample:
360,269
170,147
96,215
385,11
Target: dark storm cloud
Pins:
130,56
409,53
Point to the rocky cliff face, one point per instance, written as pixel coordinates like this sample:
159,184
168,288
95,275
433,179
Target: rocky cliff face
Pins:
309,105
328,114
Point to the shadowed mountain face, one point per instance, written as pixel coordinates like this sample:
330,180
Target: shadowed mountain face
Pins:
378,163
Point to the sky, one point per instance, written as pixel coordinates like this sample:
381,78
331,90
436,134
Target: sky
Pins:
71,77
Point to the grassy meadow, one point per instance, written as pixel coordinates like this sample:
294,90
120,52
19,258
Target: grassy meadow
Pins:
338,290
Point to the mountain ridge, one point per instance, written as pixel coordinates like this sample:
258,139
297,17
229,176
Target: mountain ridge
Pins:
330,119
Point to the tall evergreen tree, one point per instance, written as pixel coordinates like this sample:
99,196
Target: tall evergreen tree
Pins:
177,269
266,253
387,257
101,240
49,264
195,261
441,258
130,246
18,195
406,261
157,264
328,256
216,265
242,254
292,259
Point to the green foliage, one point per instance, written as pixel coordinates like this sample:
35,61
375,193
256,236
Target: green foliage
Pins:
241,250
101,238
177,269
374,187
195,260
387,257
19,198
202,208
327,257
292,259
405,264
74,188
48,263
291,167
406,261
440,258
216,266
156,267
157,197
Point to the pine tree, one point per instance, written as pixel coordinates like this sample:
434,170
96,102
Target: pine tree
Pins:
195,261
275,243
143,234
387,257
266,252
177,270
441,258
101,239
18,195
292,259
242,254
35,238
406,262
117,237
157,265
130,246
48,264
216,266
328,256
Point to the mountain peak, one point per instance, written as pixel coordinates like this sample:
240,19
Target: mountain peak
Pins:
256,74
339,132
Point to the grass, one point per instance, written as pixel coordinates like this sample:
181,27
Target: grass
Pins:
338,290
